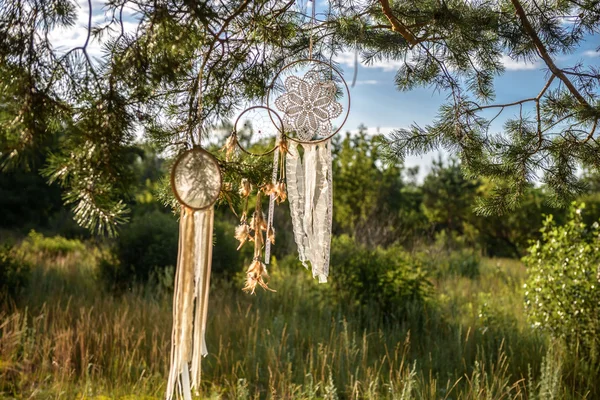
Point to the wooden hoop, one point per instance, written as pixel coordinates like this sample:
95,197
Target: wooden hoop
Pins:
280,129
307,60
212,159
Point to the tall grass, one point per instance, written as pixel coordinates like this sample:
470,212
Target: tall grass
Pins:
68,338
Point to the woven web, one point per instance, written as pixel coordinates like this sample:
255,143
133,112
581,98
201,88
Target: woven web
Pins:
196,179
257,124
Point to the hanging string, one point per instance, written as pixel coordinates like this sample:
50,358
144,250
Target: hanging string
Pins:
355,66
200,105
276,163
312,30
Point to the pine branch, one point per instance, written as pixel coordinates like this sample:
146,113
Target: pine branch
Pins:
544,53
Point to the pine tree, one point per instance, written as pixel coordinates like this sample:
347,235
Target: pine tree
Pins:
456,47
184,68
187,65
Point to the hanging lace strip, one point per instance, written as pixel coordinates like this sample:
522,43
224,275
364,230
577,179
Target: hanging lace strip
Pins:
310,197
190,301
272,202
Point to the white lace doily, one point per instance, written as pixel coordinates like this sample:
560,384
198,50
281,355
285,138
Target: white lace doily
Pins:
309,104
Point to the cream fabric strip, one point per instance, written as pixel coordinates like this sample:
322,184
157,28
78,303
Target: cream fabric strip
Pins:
190,300
310,196
295,189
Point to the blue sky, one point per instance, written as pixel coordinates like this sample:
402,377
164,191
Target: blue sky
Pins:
375,101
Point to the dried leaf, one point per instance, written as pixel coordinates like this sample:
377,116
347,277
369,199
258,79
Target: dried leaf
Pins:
269,189
229,146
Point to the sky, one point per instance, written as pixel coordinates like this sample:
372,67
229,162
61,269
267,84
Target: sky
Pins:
376,103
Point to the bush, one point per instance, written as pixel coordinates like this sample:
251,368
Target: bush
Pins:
390,278
451,256
144,248
226,259
52,247
562,295
14,273
463,262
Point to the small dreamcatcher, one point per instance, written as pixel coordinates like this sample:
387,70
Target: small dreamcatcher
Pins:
265,123
310,105
196,182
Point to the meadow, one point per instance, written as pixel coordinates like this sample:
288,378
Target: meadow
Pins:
67,337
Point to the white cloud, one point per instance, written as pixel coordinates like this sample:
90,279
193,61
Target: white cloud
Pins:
367,82
65,39
379,130
514,65
591,53
348,58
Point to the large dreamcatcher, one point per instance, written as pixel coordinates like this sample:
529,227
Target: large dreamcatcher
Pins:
310,103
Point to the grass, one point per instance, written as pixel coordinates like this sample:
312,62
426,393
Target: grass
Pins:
68,338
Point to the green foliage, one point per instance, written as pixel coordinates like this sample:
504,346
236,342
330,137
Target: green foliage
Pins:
52,247
509,235
14,273
184,70
562,295
180,72
144,247
26,200
372,203
448,196
458,49
389,278
227,260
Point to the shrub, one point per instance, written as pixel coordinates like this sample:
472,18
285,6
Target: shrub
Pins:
144,248
390,278
226,259
450,255
562,295
14,273
52,247
464,262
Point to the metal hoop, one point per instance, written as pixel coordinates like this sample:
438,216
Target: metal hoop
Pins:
176,164
307,60
280,129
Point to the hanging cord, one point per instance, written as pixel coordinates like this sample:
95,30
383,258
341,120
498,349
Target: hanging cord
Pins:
312,29
200,105
355,66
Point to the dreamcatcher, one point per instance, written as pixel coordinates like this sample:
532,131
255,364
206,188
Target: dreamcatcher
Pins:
301,159
309,104
262,122
196,183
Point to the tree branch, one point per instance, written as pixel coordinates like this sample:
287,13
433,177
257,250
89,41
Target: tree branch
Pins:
397,26
541,49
